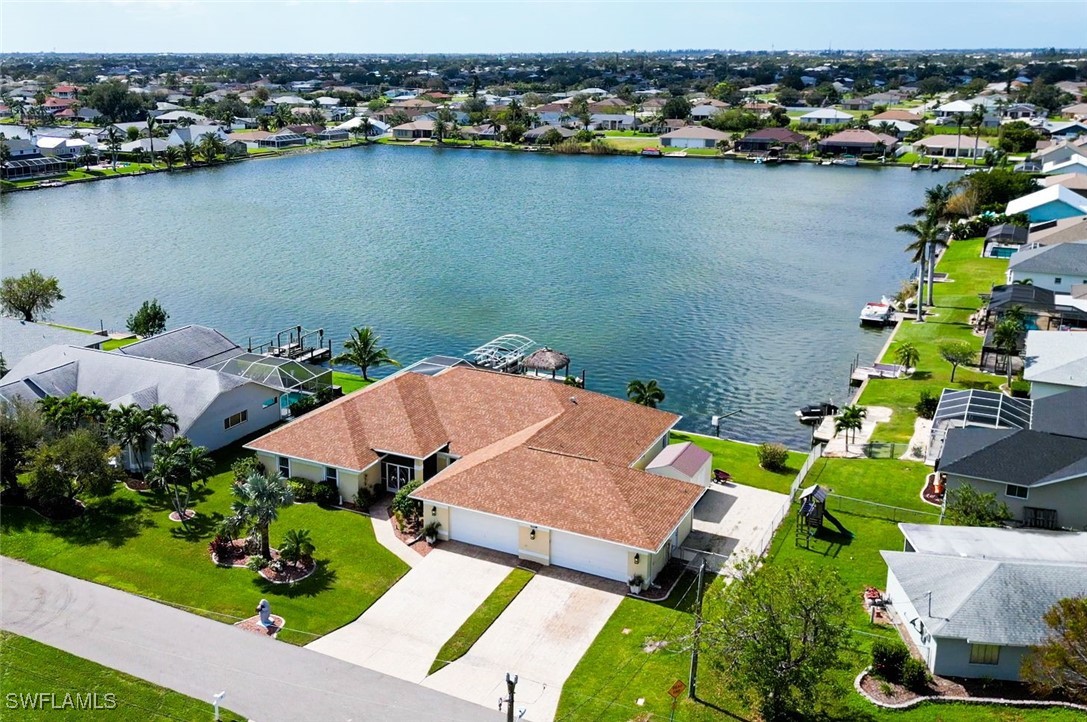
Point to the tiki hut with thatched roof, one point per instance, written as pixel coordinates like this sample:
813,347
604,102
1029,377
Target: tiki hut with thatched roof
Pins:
546,359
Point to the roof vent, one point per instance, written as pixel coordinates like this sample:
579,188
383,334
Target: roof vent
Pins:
573,400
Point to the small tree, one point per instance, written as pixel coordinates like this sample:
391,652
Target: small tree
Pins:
257,503
149,319
926,404
30,295
363,350
773,457
21,429
966,506
956,353
409,508
778,632
74,464
906,354
1059,663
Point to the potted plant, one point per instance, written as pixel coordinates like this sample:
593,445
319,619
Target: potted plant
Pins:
636,583
430,531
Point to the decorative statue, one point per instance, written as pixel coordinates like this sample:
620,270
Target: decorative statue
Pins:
264,609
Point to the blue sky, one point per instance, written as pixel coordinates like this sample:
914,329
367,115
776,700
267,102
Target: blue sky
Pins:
435,26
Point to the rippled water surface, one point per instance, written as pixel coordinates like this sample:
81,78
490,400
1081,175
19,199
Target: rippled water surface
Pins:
736,286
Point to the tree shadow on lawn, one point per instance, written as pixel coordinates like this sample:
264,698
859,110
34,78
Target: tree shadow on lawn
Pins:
110,520
199,528
320,581
159,500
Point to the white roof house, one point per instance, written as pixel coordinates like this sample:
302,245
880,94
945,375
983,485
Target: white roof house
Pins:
1075,164
997,544
1049,204
826,116
19,339
1056,361
955,107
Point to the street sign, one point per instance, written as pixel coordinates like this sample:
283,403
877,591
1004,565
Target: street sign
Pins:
677,689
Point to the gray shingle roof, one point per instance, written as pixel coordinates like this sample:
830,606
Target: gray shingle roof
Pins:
983,601
19,339
191,345
1064,258
1064,413
1013,456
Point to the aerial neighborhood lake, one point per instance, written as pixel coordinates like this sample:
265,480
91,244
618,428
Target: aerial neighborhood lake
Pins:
736,286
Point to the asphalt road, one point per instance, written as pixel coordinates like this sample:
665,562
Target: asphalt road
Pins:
265,680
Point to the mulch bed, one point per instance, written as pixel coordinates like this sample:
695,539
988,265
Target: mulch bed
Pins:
292,571
237,558
412,538
137,484
891,693
253,625
189,514
665,581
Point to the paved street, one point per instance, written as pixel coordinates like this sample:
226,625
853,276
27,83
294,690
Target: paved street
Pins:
265,680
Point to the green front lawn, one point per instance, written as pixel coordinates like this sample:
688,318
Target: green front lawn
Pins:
742,461
956,300
116,343
885,481
349,382
481,619
32,668
126,541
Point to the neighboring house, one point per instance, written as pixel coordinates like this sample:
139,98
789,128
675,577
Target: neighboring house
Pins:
1058,153
37,167
1049,204
764,139
1075,164
1022,111
213,408
19,339
376,126
1065,230
193,134
148,145
1054,362
1041,476
1064,130
954,108
538,132
21,148
704,112
951,146
858,104
333,135
282,139
1072,181
902,127
692,136
1043,308
1077,110
972,600
1003,240
550,473
856,141
67,148
174,117
1058,267
416,129
825,116
612,121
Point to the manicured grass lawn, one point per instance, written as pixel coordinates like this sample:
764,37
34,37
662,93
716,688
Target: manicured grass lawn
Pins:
32,668
885,481
633,143
116,343
955,300
349,382
126,541
742,461
481,619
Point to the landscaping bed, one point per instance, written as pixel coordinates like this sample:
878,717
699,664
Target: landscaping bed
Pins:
412,536
950,688
288,572
137,484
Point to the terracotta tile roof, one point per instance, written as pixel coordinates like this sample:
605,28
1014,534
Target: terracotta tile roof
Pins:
592,498
898,115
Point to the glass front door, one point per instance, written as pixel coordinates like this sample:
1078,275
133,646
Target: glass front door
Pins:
397,476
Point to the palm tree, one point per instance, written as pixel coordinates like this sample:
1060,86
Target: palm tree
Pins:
86,156
211,145
907,355
1006,335
113,143
130,426
162,417
646,393
977,119
362,350
925,232
172,156
960,118
297,545
257,503
850,419
151,136
175,466
188,153
366,127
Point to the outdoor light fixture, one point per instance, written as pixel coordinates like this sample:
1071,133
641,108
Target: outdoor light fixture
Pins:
637,558
531,533
434,511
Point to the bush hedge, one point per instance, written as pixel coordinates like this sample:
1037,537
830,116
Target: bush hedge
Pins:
888,659
773,457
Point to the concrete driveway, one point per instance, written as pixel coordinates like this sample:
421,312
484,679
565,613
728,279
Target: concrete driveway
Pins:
540,637
401,633
732,520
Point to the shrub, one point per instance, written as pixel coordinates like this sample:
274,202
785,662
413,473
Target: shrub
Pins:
431,529
255,563
1021,389
888,658
570,146
245,467
303,489
297,545
365,498
773,457
303,405
326,494
220,546
926,405
915,675
407,507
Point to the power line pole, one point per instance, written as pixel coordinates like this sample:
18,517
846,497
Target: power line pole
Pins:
697,631
511,684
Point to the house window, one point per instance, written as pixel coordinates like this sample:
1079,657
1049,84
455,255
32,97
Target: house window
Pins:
270,402
331,475
1017,492
233,420
984,654
284,467
1057,280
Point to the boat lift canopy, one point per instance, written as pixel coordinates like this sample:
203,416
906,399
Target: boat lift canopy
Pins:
502,353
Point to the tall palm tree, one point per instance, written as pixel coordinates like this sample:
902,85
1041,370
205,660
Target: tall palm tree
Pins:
977,119
188,153
924,232
960,118
257,503
114,138
151,136
175,466
130,426
362,350
646,393
162,417
211,146
367,127
1006,335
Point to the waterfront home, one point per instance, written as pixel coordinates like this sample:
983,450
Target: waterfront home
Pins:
951,146
1049,204
972,600
19,339
762,140
251,138
1055,362
902,127
1072,181
214,409
1058,153
305,129
66,148
903,115
1056,267
551,473
412,108
174,117
284,138
35,167
332,135
611,121
955,108
534,135
825,116
21,148
377,128
693,136
1076,164
193,133
422,128
856,141
147,145
1044,309
1004,239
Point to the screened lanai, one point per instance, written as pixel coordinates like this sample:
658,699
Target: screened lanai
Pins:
278,372
974,407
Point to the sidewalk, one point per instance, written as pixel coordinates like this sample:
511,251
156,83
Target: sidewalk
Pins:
264,680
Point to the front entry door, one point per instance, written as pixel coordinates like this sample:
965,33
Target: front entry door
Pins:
397,476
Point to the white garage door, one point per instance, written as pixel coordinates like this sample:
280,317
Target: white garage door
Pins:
482,530
589,555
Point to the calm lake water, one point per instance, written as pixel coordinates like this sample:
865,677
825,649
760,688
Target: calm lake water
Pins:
735,286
